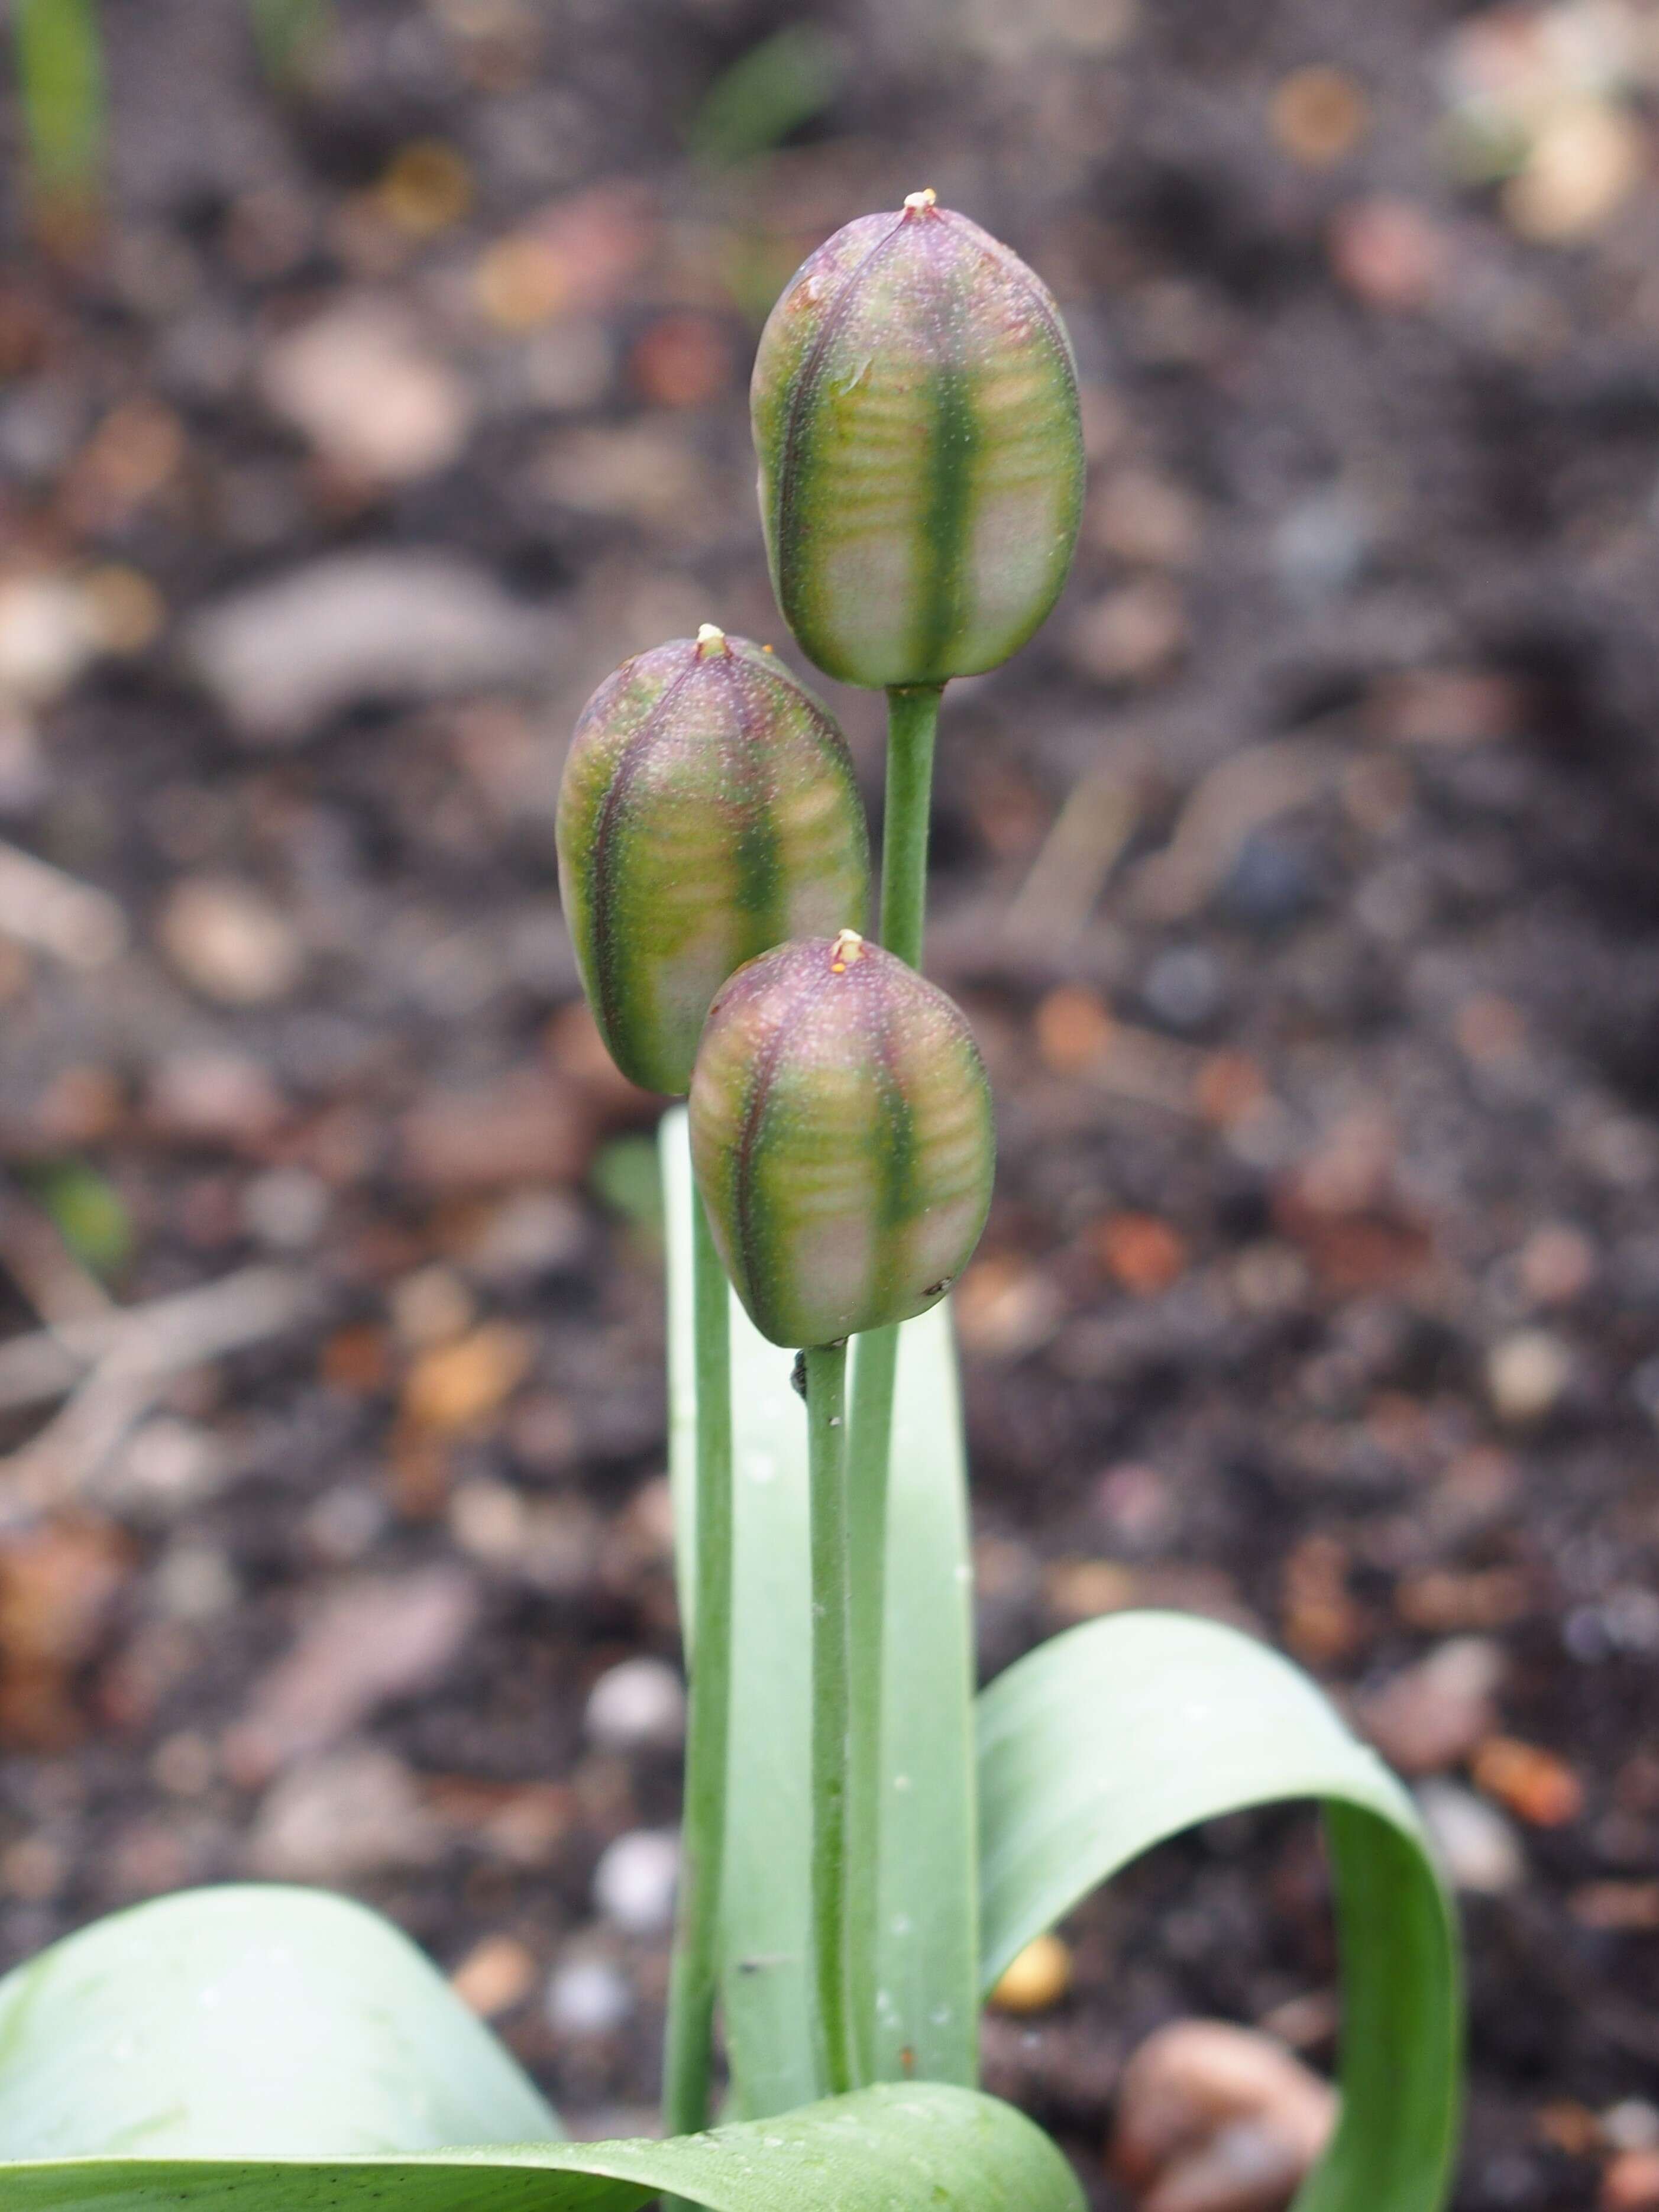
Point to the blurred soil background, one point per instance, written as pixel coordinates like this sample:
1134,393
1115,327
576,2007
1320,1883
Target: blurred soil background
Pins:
1302,881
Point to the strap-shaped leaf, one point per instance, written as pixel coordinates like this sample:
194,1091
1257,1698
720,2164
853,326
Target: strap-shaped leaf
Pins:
1122,1732
268,2050
927,1967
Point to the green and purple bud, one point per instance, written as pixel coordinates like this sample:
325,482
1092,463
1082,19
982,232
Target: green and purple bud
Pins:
709,811
915,413
842,1139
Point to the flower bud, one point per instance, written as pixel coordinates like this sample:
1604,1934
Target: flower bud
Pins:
915,412
708,810
842,1136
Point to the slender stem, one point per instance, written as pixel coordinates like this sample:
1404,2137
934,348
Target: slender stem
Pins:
826,1424
692,1981
913,718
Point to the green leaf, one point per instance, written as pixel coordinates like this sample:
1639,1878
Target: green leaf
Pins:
1120,1734
60,69
90,1214
279,2050
769,92
928,1962
247,2020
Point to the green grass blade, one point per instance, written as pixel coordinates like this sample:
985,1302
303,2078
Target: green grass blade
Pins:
60,74
287,33
928,1964
778,85
1120,1734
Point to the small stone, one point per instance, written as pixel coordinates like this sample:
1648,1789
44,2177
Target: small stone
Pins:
1631,2183
1183,986
431,1306
1073,1030
1319,545
1148,520
638,1705
1583,165
1212,2117
588,1997
1036,1979
1532,1782
460,1386
1131,637
1006,1307
527,1127
1389,253
1630,2124
212,1097
1527,1374
531,1234
1318,115
1141,1253
47,635
281,657
493,1977
1479,1850
351,1813
490,1520
229,942
195,1582
634,1881
1556,1264
359,384
285,1209
169,1464
1433,1715
427,188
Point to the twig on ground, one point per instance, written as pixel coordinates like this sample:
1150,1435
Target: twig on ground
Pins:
1084,843
42,907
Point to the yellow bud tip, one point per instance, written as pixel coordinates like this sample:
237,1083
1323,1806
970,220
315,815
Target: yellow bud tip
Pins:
849,947
710,638
914,202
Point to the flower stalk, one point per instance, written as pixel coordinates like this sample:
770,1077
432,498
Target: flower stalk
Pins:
693,1976
832,1650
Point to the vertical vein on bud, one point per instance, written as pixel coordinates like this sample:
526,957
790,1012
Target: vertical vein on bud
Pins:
792,459
954,444
602,860
760,879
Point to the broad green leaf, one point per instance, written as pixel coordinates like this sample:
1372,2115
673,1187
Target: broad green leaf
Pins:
771,90
258,2049
1114,1737
246,2021
928,1968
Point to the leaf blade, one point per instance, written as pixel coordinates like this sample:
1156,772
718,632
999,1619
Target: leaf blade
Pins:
1124,1732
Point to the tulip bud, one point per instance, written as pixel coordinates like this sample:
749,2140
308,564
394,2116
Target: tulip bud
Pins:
842,1136
708,810
915,412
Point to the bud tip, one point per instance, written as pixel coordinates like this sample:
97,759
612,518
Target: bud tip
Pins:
849,947
710,638
915,203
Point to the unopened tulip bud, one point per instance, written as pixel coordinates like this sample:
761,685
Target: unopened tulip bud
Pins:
915,412
842,1139
709,811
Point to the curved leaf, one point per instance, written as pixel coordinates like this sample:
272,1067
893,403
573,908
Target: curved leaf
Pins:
1122,1732
270,2050
243,2020
928,1964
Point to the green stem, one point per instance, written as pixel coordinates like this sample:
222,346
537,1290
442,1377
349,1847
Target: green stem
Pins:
912,720
826,1425
694,1973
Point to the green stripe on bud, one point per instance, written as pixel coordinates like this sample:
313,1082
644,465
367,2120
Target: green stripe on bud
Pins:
915,413
842,1138
709,811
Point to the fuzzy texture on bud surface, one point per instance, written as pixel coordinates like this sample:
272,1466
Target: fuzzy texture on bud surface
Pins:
915,412
842,1138
709,811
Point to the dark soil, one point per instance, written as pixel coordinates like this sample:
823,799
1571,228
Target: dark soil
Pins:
1321,1289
